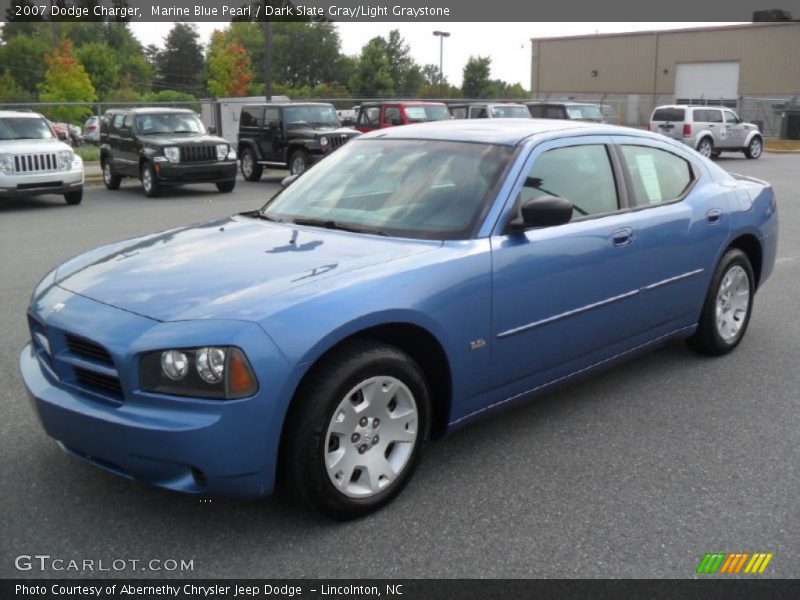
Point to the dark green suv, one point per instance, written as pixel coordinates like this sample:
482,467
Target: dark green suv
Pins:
163,147
288,135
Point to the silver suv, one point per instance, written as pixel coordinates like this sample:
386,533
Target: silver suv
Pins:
34,162
710,130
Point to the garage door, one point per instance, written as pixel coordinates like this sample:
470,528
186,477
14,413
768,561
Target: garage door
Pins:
707,81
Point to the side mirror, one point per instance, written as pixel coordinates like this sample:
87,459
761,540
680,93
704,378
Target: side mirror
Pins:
739,120
287,181
544,211
212,129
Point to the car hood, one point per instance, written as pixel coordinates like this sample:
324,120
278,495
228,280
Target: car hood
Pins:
229,268
317,131
32,146
172,139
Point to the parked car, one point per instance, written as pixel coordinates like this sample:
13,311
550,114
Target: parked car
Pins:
378,115
609,114
572,111
489,110
710,130
418,279
34,162
92,130
61,130
347,117
163,147
288,135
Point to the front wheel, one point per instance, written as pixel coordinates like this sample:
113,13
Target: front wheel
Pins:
150,184
755,148
226,187
73,198
357,429
706,147
298,162
727,307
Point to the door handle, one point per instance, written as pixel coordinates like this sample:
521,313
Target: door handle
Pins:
714,215
622,237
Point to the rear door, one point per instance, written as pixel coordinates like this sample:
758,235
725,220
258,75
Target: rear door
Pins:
668,121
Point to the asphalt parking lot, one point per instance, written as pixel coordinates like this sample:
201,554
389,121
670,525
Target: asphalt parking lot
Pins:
637,472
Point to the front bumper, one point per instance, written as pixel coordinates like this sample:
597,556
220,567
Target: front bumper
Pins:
224,448
38,184
182,173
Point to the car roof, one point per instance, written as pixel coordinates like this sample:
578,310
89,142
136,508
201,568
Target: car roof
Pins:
561,103
703,106
151,110
19,113
285,104
505,132
403,102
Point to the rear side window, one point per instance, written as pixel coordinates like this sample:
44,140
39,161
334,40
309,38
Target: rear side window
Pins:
459,112
581,174
478,112
369,116
391,114
669,114
537,111
657,175
272,114
116,124
700,116
252,117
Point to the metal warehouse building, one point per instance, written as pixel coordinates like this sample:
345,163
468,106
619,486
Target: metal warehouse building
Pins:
753,67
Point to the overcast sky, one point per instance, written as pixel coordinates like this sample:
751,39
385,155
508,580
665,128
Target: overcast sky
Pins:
508,44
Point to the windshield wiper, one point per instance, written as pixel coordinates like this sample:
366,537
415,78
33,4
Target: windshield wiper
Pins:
330,224
183,131
257,214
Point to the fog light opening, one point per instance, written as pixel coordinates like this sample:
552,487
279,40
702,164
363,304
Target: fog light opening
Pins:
199,477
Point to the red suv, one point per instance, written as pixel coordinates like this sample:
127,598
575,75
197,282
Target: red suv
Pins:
377,115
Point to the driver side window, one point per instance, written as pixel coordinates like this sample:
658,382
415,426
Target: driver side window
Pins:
581,174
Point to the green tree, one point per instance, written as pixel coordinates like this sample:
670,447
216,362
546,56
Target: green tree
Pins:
101,65
10,90
23,58
476,82
180,64
66,81
372,78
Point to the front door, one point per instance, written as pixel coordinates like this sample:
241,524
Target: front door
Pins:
564,292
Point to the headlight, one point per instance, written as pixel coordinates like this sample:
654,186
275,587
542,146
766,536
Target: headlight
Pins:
323,141
222,151
65,159
220,372
173,154
6,164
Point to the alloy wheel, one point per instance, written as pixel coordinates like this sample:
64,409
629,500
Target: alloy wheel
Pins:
755,148
733,300
371,437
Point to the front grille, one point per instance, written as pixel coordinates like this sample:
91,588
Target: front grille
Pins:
98,381
198,153
82,347
338,140
35,163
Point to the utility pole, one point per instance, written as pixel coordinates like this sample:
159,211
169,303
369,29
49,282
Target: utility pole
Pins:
267,55
441,35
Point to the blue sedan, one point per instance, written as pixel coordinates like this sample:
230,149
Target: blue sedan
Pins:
418,279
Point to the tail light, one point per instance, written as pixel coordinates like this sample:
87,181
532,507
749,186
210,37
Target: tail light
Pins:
92,127
687,130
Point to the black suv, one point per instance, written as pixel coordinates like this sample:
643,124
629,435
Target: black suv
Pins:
163,147
291,135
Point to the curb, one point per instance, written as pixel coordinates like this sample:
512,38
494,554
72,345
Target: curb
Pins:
776,151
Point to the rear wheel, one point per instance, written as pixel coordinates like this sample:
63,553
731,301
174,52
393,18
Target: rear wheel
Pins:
226,187
75,197
706,147
251,170
727,307
150,184
755,148
357,430
110,179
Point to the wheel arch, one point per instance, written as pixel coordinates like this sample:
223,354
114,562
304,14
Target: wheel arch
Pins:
247,145
753,134
701,136
749,244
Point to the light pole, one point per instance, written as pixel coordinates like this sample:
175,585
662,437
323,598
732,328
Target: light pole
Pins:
441,35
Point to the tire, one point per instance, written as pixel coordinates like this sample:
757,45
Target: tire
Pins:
755,148
251,170
226,187
74,198
110,179
324,432
706,147
716,153
717,335
298,162
152,189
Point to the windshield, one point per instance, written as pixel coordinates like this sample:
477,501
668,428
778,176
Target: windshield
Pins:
420,114
590,111
510,112
169,123
310,116
24,128
410,188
